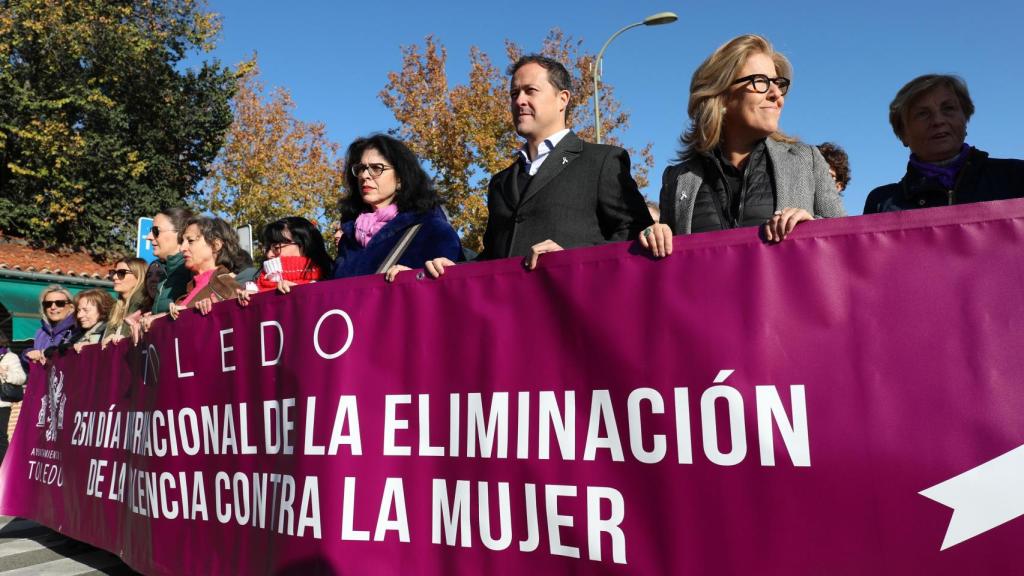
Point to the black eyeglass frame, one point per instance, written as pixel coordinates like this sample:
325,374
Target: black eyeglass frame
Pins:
781,81
375,169
55,303
119,272
278,246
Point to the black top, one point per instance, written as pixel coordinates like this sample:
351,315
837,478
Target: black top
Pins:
731,197
980,180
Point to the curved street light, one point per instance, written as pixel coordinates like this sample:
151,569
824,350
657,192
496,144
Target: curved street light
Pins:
652,20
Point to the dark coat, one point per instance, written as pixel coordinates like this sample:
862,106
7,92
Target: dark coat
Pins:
799,174
174,279
583,195
435,239
980,179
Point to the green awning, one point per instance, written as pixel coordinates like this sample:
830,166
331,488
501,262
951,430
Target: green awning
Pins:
19,300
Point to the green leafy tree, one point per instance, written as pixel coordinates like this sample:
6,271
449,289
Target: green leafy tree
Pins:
101,121
465,131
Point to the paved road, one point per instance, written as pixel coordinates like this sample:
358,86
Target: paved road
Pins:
26,548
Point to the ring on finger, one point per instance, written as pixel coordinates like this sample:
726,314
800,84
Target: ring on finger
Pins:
648,231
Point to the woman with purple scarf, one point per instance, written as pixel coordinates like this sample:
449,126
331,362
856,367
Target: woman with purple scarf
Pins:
391,217
929,115
57,307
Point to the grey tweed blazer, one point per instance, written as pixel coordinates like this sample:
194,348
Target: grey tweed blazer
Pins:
801,181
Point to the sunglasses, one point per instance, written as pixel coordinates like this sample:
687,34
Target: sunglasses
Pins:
119,273
156,230
55,303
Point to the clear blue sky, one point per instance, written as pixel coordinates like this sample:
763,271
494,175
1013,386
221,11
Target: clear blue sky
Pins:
849,60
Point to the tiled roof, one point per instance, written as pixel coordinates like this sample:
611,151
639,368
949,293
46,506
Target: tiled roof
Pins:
16,254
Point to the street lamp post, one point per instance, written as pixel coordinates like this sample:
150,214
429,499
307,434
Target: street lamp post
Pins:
652,20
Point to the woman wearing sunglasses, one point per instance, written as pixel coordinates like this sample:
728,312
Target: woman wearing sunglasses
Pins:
736,168
128,276
391,217
56,306
172,275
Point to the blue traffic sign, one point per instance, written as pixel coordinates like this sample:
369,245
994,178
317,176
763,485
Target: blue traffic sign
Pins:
143,247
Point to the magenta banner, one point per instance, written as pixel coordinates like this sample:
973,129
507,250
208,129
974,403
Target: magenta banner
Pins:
847,402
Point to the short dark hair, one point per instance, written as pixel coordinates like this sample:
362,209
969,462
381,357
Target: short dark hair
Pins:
415,191
179,217
231,255
305,235
838,160
558,76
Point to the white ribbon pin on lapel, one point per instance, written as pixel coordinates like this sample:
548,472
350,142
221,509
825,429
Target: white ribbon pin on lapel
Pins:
564,160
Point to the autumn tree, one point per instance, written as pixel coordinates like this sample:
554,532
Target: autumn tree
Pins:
465,131
272,164
100,120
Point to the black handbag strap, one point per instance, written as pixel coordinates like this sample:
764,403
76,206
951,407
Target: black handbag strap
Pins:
399,249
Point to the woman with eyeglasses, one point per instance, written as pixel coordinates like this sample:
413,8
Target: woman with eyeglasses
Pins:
213,256
295,254
56,306
737,168
128,276
391,218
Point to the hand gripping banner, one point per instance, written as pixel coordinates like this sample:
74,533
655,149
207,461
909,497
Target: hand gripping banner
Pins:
846,402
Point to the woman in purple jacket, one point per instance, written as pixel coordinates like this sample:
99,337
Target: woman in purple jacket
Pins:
57,308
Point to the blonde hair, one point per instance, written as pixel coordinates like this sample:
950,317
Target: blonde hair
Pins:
710,84
51,289
139,268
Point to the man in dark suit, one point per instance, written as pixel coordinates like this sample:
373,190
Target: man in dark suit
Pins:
561,192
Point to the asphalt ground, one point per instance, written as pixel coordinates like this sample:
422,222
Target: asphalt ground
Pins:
29,548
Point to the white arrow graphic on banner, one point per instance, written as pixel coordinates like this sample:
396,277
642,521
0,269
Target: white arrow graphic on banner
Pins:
982,498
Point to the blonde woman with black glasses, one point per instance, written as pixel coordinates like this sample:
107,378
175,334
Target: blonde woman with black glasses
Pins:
737,168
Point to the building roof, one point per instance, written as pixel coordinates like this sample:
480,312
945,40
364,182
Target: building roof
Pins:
17,255
25,271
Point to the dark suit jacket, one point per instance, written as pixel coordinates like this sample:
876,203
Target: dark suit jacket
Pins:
583,195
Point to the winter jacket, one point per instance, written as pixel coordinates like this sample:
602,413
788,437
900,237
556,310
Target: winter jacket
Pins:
48,336
174,284
435,239
981,179
14,374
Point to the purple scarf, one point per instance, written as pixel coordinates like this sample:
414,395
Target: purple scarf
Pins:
946,173
369,223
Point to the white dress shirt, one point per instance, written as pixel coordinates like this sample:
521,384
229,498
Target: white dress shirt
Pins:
543,150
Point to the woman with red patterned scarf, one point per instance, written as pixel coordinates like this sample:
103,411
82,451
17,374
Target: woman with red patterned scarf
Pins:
295,254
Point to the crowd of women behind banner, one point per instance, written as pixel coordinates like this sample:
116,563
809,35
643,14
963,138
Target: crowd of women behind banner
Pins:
735,169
